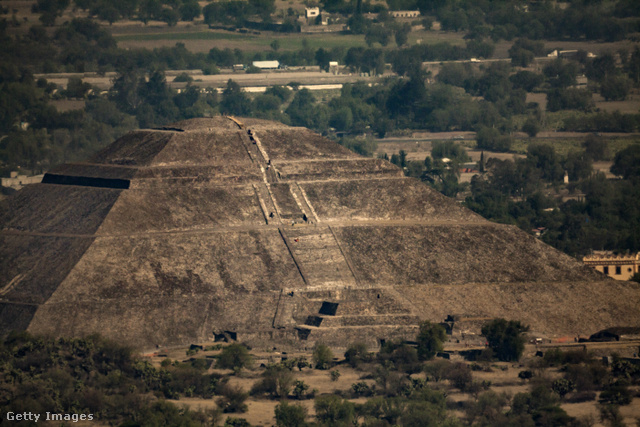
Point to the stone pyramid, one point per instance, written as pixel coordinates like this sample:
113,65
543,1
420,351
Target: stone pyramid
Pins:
252,230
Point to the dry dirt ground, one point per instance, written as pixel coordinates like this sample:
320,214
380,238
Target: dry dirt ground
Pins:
502,376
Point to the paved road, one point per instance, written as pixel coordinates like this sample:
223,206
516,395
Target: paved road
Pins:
220,80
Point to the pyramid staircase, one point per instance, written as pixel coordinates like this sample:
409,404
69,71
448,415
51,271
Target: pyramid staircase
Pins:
342,316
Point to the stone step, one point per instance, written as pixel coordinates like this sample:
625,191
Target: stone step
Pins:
319,256
362,320
343,336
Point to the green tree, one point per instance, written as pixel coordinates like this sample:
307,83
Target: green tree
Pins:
489,138
356,353
615,87
570,99
560,73
50,10
505,338
322,356
290,415
76,88
524,51
596,148
527,80
304,111
149,10
263,8
531,126
627,162
451,150
235,356
190,10
562,387
300,389
378,34
332,410
402,34
234,100
341,119
232,399
276,382
170,16
430,340
281,92
460,375
543,156
578,165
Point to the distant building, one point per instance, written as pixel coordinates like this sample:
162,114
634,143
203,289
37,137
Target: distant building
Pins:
619,267
267,65
567,54
311,12
16,181
538,231
405,13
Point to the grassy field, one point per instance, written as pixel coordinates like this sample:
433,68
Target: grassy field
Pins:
197,38
201,40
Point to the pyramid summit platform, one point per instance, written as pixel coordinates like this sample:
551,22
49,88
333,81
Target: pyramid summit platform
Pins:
256,231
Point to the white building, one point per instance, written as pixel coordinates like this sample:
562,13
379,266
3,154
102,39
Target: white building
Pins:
311,12
16,181
267,65
405,13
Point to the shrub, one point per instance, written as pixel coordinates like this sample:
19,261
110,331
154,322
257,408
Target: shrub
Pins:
183,77
356,353
290,415
553,357
332,410
531,127
562,386
437,369
399,355
581,396
232,399
430,340
525,375
276,382
301,362
234,356
460,375
491,139
361,389
322,356
300,389
616,394
209,70
391,383
505,338
236,422
335,375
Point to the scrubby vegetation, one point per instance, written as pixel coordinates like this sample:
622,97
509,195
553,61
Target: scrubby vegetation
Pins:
94,376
